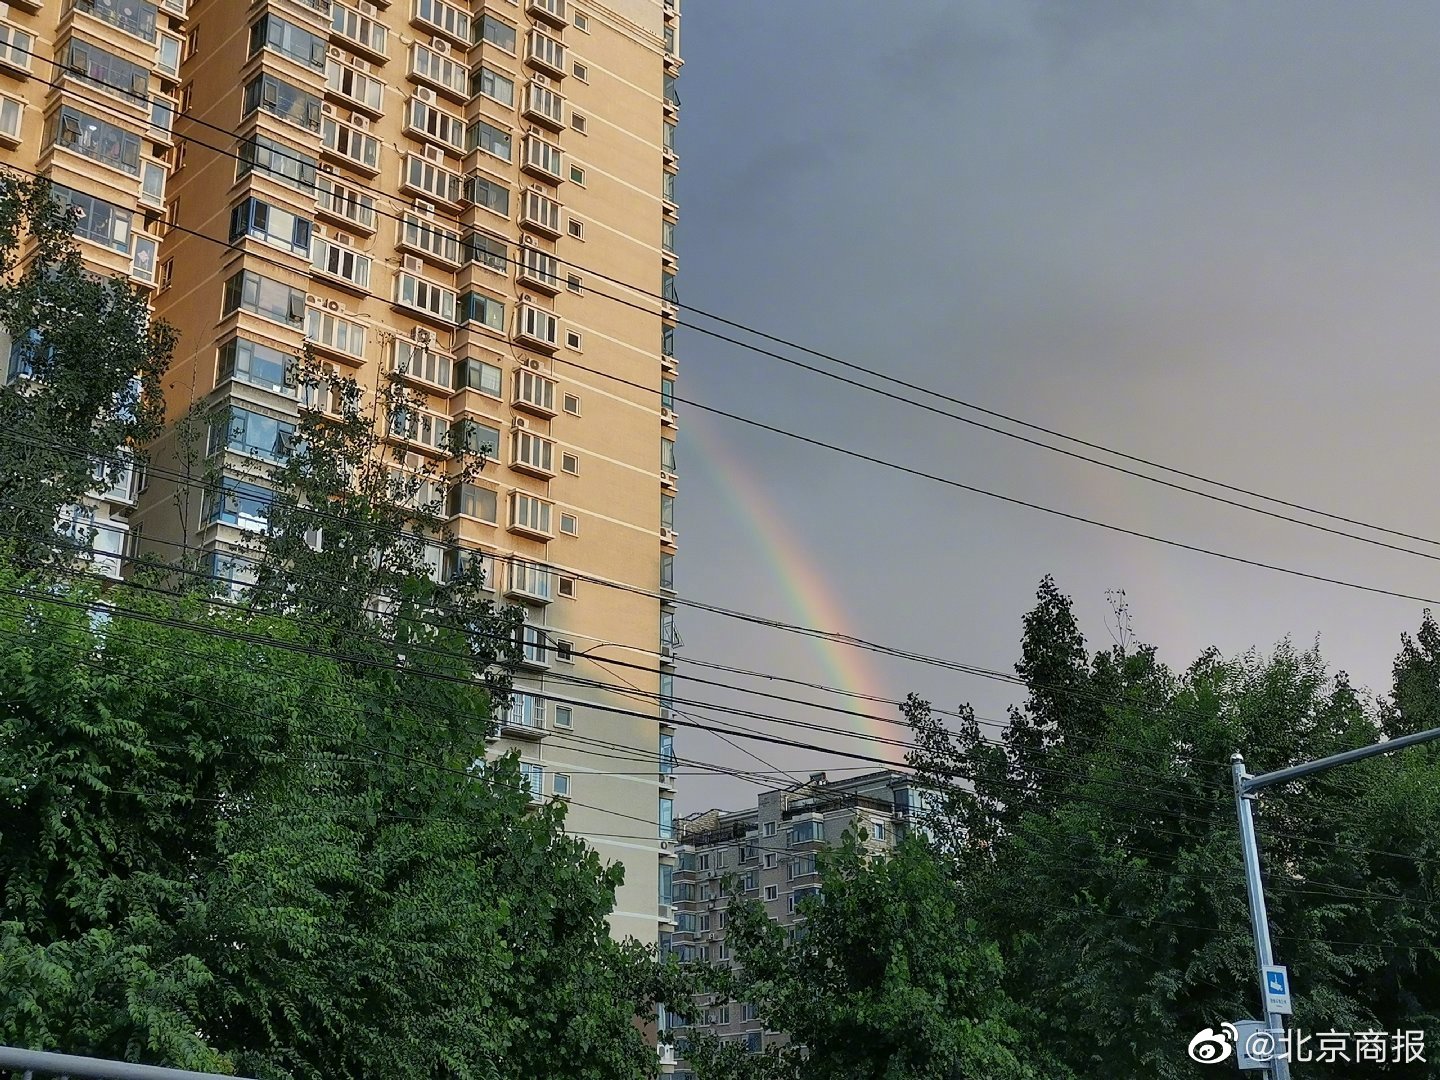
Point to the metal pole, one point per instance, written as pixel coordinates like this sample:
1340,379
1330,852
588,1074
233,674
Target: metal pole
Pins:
1309,768
1254,891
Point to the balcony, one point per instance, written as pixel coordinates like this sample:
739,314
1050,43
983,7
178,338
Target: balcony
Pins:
551,11
546,53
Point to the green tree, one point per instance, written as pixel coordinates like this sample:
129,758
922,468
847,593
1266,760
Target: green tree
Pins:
83,360
257,831
1096,843
890,979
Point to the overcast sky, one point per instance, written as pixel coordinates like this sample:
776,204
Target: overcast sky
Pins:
1202,233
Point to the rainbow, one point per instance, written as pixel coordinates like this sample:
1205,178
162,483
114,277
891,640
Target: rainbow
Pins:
812,599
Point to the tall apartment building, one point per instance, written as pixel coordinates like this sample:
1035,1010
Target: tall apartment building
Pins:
449,190
768,852
87,99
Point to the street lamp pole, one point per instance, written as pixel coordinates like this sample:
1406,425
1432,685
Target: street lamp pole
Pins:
1246,789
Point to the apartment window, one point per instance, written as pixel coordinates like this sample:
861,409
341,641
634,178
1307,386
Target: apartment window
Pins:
573,340
419,362
540,212
667,570
356,208
536,324
667,515
488,251
281,99
104,69
274,33
276,227
473,501
747,882
566,587
667,186
564,652
351,143
667,455
877,830
576,228
335,332
563,716
769,828
444,17
433,180
424,235
582,23
804,832
667,236
488,193
577,175
532,776
263,296
421,427
278,161
770,858
498,33
525,711
666,893
571,404
533,452
425,119
569,463
96,220
359,28
668,135
529,513
581,72
542,156
492,84
256,434
245,506
489,138
802,866
578,122
667,394
15,47
137,17
259,365
365,90
425,296
440,71
477,438
12,111
477,375
486,310
569,525
574,284
95,139
667,818
772,892
667,287
667,341
560,784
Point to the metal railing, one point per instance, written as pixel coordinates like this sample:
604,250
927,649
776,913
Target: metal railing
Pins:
35,1064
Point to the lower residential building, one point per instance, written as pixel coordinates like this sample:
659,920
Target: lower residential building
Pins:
768,853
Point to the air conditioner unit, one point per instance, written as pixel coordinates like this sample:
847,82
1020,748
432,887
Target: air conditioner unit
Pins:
530,361
344,239
325,166
366,8
426,208
333,305
413,265
527,239
421,336
541,80
519,424
310,298
425,94
667,478
434,153
361,122
667,415
440,45
335,51
327,109
361,65
667,536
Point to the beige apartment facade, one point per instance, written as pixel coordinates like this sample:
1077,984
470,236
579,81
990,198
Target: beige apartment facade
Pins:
479,196
768,853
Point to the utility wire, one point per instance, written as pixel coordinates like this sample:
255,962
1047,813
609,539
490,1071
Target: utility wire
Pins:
928,392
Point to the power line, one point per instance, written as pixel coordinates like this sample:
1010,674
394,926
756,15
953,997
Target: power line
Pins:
930,393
